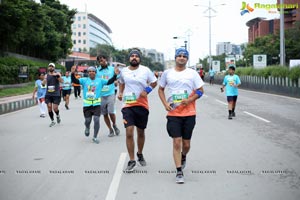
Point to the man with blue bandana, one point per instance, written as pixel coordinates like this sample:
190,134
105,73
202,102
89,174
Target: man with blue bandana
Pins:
92,91
104,71
184,87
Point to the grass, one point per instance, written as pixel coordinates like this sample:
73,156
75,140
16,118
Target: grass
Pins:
7,92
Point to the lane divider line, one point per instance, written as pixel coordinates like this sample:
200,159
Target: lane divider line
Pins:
260,118
114,185
221,102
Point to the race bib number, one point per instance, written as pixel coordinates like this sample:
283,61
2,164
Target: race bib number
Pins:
105,88
51,88
90,95
130,98
178,96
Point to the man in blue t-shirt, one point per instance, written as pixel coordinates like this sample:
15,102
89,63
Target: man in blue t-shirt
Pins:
211,73
231,83
104,71
66,89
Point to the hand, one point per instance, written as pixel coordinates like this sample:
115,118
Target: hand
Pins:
143,94
117,71
73,69
185,102
222,89
120,96
168,107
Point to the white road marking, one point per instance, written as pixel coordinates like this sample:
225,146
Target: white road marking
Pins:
114,185
221,102
257,117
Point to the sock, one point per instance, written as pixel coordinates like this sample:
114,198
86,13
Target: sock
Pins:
179,169
51,115
57,113
230,112
233,110
183,157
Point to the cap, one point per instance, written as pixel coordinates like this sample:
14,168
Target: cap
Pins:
135,51
51,64
91,68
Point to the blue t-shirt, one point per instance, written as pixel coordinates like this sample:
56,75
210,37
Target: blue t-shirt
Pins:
211,72
92,91
67,83
41,90
228,82
106,74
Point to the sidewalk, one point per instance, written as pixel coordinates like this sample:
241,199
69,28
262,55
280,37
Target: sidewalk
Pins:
14,103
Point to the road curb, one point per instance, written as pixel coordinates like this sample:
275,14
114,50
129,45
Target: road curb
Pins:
16,105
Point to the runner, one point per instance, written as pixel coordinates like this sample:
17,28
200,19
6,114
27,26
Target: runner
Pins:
108,97
53,93
211,73
77,87
184,86
40,91
66,89
92,87
231,83
135,83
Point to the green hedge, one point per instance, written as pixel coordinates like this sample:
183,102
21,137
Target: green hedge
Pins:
274,71
9,70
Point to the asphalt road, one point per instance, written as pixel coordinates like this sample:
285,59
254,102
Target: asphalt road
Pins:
254,156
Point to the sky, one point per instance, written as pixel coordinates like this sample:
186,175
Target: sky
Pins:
152,24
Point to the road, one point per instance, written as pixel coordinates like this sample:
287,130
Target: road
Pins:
254,156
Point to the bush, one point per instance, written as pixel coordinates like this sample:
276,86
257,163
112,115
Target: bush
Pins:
295,74
9,69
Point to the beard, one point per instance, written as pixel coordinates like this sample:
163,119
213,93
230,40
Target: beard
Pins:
51,70
134,63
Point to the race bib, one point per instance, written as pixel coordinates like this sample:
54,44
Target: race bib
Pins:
130,98
178,96
51,88
90,95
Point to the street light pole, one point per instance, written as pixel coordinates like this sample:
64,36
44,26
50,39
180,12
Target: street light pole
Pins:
209,9
282,42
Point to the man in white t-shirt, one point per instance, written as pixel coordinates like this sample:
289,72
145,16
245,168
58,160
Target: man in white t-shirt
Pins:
184,87
135,83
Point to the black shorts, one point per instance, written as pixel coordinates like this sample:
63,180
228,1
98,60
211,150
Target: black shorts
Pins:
52,99
231,98
91,110
135,116
181,126
66,92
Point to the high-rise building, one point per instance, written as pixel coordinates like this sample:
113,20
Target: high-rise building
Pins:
88,31
228,49
154,55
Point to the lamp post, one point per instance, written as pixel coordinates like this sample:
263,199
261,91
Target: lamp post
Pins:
209,9
282,42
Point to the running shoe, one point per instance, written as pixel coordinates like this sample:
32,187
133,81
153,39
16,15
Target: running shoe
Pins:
87,132
96,140
179,177
52,124
117,131
233,114
230,116
131,165
141,159
42,115
58,119
67,107
111,133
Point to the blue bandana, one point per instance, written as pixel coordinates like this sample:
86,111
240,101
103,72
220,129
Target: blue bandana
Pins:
181,51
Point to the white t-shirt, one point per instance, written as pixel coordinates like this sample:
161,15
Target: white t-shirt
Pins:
135,82
180,85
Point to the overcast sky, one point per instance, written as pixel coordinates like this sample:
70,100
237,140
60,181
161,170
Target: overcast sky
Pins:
152,24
